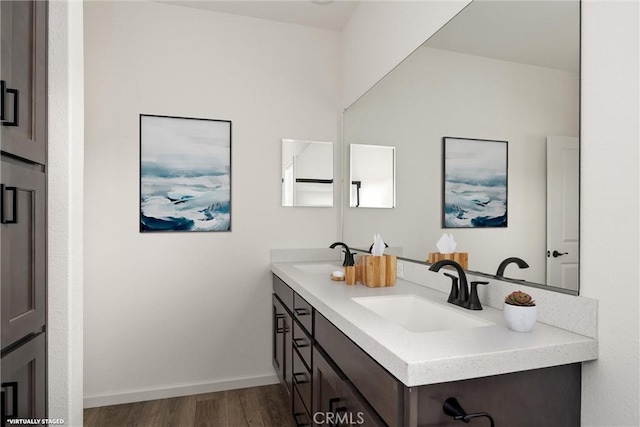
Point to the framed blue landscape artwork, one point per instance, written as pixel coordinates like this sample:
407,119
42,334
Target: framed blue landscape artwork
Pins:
185,174
475,183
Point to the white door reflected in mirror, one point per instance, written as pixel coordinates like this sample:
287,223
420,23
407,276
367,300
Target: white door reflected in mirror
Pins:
372,176
307,173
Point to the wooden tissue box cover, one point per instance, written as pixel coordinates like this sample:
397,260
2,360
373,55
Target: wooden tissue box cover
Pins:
378,271
461,258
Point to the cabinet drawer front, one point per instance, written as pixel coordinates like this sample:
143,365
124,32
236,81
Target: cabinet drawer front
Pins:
24,250
23,377
283,291
378,387
302,379
302,343
303,311
300,415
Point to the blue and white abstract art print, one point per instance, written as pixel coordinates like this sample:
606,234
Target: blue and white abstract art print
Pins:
185,174
475,183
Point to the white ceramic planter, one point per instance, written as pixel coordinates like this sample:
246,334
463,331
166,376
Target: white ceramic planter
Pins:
519,318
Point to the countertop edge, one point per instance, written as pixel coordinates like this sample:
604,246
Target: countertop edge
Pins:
445,369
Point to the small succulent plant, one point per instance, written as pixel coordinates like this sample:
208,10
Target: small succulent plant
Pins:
520,298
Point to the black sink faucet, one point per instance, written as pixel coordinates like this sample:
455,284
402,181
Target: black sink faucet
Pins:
460,296
348,256
503,265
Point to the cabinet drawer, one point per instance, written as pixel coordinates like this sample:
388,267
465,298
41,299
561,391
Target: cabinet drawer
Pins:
283,291
302,379
303,311
300,415
302,343
379,388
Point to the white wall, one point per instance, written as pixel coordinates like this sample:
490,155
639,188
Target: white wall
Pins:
179,313
610,189
380,34
65,220
423,100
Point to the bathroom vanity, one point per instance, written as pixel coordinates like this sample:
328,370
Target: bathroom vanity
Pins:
352,355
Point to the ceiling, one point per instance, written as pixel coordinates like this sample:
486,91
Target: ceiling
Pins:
535,32
541,33
328,14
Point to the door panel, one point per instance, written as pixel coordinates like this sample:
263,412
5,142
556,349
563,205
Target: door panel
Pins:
563,162
23,68
22,197
23,381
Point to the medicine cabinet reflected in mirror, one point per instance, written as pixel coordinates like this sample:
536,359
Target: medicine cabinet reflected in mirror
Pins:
307,173
499,70
372,171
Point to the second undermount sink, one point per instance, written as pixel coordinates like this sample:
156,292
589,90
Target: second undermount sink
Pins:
318,268
417,314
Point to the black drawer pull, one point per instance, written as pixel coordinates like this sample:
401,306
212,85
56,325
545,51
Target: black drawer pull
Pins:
300,343
16,95
14,208
279,329
297,381
332,402
298,423
14,402
3,89
301,311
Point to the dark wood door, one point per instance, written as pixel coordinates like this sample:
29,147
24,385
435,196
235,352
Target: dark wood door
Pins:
281,356
24,77
22,228
23,381
335,401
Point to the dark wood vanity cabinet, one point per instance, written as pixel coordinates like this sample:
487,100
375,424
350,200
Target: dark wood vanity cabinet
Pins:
334,382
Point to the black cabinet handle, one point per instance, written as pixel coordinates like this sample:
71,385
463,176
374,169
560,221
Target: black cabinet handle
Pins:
14,208
14,402
297,381
279,329
301,311
16,97
300,343
3,89
298,423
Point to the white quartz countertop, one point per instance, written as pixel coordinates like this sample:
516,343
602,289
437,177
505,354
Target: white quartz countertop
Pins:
433,357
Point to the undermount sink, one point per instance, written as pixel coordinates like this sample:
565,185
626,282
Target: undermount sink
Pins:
417,314
318,268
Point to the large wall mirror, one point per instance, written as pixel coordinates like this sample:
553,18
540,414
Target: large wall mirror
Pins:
307,173
499,70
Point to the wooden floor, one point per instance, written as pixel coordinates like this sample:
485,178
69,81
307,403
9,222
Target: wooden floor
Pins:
257,406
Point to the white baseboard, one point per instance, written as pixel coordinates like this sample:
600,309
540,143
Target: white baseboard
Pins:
176,390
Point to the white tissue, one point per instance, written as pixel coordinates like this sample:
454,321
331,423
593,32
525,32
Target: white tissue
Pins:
446,244
378,245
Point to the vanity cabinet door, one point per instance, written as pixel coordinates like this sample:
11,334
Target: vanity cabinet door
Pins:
335,402
282,348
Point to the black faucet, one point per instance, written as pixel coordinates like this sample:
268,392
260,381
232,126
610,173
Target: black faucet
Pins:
460,296
348,256
503,265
